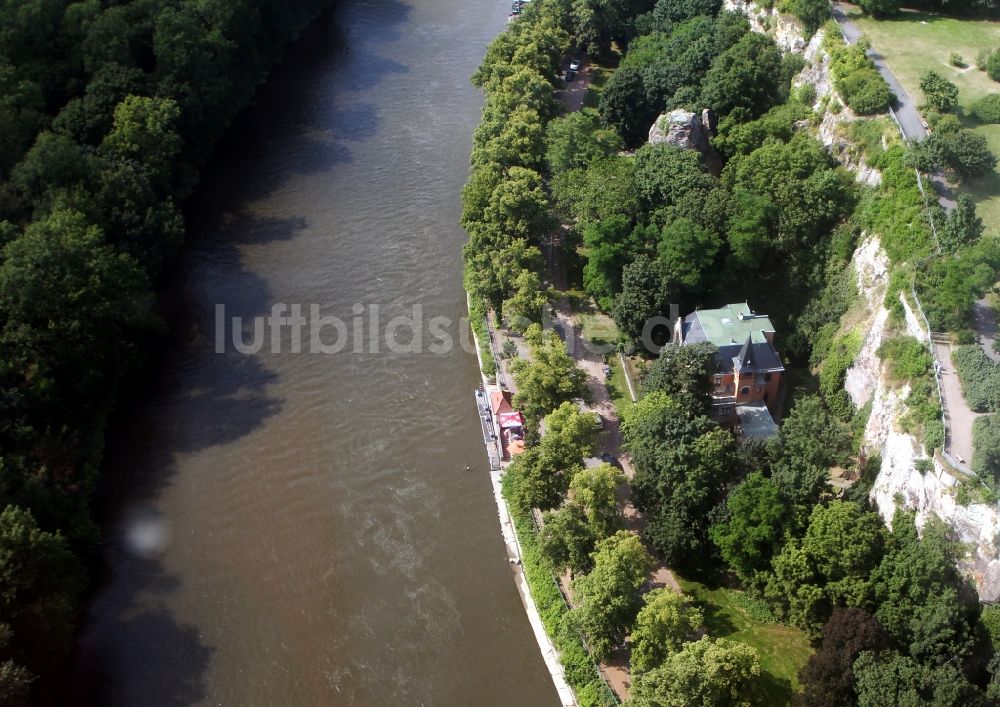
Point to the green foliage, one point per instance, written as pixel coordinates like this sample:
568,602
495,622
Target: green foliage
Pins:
549,379
646,293
682,464
880,8
987,108
948,286
744,76
680,10
751,531
829,567
906,358
856,79
962,227
980,378
940,93
738,137
704,672
580,670
567,539
843,351
527,304
684,374
896,210
595,490
607,598
42,581
667,620
812,13
921,598
964,151
993,65
609,247
986,443
893,679
575,140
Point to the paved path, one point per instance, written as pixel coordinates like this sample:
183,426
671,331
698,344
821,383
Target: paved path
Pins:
985,323
960,415
905,107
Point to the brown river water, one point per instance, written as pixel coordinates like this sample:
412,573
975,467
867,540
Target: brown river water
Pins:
303,528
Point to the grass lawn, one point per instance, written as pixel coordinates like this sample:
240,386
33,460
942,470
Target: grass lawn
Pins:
913,43
783,650
599,76
618,388
598,328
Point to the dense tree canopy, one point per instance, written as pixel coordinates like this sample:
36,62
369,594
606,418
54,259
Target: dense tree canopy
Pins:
607,598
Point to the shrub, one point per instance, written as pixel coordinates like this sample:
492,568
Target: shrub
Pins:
982,59
865,91
906,358
955,59
880,8
941,94
993,65
987,109
980,378
986,442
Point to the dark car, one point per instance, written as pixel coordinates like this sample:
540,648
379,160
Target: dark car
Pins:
608,458
570,75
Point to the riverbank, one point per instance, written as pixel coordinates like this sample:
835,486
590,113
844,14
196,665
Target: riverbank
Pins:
515,556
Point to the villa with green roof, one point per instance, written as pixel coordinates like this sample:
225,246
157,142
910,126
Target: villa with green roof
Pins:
747,382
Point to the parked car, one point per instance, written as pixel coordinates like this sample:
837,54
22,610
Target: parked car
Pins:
570,75
598,421
574,65
608,458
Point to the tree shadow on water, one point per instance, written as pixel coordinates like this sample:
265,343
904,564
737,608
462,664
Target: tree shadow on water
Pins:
133,650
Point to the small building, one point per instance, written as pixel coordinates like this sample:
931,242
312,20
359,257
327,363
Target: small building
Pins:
749,375
509,422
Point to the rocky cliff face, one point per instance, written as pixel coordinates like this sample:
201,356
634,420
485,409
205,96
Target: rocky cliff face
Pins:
899,483
785,29
688,131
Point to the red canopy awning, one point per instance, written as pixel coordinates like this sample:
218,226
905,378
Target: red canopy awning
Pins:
510,419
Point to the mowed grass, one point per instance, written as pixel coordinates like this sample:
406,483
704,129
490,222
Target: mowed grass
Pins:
783,650
913,43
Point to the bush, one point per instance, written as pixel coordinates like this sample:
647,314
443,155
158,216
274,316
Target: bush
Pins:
941,94
980,378
987,109
982,59
986,442
580,670
993,65
865,91
855,77
906,358
955,59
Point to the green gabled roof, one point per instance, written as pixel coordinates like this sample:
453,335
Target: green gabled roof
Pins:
728,325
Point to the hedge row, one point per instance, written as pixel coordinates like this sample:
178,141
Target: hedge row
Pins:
581,671
980,378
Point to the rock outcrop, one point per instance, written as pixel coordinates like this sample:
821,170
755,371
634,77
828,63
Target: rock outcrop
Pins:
785,29
688,131
900,484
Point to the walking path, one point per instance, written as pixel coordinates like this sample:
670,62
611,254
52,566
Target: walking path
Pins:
911,124
960,416
549,654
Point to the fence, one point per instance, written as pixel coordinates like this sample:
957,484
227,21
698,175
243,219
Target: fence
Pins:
906,139
945,418
569,607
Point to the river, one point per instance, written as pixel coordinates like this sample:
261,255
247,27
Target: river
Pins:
301,528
